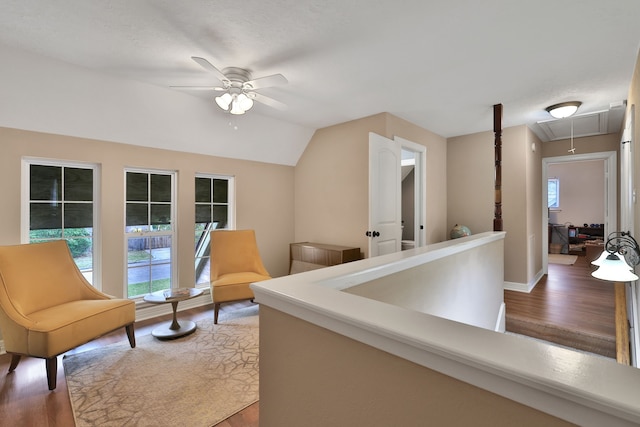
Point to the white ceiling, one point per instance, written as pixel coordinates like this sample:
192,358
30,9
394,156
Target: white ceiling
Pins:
440,64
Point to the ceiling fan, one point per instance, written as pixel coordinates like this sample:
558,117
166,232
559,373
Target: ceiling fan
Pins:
239,89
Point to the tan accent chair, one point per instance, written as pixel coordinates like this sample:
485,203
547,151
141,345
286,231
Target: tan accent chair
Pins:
235,264
48,308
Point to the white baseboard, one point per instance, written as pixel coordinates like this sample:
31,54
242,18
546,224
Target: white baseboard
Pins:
524,287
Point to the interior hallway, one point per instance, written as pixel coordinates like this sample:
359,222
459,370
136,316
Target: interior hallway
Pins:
567,307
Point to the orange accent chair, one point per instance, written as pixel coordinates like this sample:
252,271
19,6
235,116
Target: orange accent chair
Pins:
235,264
47,307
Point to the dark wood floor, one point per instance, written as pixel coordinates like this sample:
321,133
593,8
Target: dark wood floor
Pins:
568,307
568,298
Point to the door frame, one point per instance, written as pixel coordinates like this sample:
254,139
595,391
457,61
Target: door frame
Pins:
420,186
610,194
627,223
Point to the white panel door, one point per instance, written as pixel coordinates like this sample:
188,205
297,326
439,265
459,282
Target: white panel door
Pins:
385,215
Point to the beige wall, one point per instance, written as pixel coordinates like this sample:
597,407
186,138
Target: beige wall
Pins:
470,184
264,196
581,191
585,145
470,181
314,377
470,197
332,181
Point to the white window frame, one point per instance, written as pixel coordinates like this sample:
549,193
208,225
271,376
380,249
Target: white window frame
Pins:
96,274
137,234
231,208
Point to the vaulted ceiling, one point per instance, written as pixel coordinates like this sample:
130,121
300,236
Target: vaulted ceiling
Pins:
440,64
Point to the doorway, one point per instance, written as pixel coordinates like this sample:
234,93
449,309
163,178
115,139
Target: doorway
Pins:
386,162
413,161
609,194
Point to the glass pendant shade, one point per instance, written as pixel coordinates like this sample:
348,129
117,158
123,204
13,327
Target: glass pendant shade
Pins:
236,108
223,101
614,268
235,103
598,262
245,102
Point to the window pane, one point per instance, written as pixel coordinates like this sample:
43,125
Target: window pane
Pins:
61,207
149,257
160,188
203,270
78,215
160,214
203,213
45,215
137,187
220,191
45,182
78,184
203,190
137,214
43,235
81,250
220,216
149,265
553,196
139,280
212,211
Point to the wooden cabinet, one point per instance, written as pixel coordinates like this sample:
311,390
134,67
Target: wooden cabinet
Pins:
307,256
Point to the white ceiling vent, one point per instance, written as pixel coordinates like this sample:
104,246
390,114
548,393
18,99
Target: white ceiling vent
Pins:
598,123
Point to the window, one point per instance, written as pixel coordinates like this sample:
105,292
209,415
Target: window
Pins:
149,231
60,205
214,210
553,193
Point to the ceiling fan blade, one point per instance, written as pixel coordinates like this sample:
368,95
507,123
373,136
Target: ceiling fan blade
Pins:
268,81
207,66
268,101
217,89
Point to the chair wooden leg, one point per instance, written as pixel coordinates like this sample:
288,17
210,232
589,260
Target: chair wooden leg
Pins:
216,308
131,335
52,371
15,359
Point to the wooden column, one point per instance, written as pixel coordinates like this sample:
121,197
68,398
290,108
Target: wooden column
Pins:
497,129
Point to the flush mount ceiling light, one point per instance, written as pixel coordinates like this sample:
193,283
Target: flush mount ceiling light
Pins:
564,109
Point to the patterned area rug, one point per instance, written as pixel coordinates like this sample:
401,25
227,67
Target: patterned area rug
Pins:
197,380
562,259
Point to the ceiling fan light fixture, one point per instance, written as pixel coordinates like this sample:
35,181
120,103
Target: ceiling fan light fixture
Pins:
236,108
224,101
564,109
245,102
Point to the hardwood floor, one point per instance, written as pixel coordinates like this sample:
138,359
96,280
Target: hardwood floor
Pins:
25,399
569,299
568,307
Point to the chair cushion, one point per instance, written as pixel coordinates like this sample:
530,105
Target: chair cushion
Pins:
235,286
236,278
60,328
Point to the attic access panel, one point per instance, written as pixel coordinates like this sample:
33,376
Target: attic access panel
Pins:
597,123
583,125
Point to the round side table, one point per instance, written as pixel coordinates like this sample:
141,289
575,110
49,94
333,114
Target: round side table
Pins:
174,296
